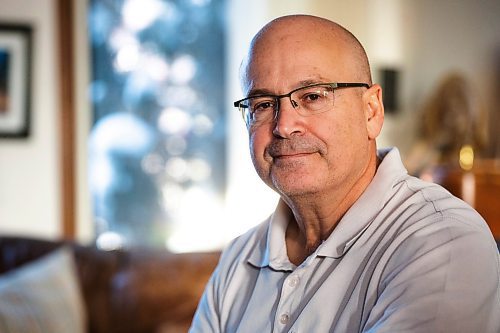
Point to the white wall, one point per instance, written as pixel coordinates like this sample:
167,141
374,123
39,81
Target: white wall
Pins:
29,168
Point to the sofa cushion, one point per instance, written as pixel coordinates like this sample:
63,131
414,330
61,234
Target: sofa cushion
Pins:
42,296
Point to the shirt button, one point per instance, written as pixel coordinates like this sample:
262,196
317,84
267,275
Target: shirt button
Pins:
294,281
284,318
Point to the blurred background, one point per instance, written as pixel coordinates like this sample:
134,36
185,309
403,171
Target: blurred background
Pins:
134,141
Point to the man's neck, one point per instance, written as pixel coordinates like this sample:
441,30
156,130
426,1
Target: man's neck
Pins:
313,218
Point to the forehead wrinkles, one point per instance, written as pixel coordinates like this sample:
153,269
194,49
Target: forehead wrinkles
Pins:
274,53
276,77
283,67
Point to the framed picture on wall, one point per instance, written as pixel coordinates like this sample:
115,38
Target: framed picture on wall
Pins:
15,80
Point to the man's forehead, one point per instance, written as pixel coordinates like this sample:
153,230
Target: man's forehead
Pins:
277,87
289,39
310,45
310,61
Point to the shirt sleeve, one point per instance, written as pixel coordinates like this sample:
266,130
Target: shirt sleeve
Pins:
206,318
439,279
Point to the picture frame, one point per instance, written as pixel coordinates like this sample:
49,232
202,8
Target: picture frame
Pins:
15,80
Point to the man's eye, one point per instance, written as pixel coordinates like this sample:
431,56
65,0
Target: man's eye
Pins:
315,95
312,97
263,106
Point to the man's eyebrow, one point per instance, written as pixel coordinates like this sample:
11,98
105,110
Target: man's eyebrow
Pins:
258,92
303,83
307,82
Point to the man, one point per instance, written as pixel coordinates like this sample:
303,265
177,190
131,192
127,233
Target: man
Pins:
355,244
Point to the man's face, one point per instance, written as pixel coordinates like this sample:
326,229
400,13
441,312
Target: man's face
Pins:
318,154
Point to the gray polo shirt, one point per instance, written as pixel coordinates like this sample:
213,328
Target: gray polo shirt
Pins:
406,257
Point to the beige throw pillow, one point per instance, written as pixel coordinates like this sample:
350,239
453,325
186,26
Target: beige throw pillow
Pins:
42,297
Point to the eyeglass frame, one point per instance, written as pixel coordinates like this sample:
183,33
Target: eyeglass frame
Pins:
277,98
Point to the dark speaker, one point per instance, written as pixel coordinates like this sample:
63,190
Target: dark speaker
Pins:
389,78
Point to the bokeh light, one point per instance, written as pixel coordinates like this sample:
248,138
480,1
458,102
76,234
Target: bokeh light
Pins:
158,139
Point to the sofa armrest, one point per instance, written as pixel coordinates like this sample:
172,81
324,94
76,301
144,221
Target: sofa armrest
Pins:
134,290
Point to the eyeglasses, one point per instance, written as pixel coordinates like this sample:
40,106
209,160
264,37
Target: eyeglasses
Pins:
309,100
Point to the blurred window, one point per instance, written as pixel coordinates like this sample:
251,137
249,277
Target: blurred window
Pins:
157,145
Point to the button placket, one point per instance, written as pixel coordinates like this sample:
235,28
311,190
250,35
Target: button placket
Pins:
292,292
290,298
287,299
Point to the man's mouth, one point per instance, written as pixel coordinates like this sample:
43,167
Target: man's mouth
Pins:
292,155
296,149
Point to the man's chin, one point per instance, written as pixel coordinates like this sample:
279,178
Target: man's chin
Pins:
295,185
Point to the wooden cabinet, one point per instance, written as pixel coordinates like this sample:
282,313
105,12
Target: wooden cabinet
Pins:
480,187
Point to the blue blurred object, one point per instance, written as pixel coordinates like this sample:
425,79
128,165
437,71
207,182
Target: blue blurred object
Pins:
158,95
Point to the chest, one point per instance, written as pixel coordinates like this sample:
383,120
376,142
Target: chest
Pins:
325,295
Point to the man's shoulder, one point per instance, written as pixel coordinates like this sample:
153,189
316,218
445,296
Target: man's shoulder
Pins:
439,202
254,239
423,209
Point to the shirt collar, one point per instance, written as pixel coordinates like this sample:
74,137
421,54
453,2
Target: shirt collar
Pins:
357,219
272,249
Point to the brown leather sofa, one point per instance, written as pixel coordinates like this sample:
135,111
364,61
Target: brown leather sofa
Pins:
126,291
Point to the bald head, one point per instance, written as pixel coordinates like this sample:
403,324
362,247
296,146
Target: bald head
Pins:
306,155
305,31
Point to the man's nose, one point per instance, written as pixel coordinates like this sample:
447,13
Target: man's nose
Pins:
287,120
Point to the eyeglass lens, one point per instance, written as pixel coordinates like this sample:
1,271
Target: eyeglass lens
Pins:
306,101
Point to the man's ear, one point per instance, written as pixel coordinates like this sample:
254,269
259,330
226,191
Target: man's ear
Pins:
374,110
